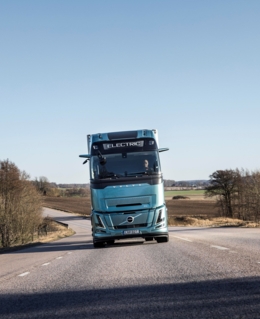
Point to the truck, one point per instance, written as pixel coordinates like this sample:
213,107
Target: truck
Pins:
126,186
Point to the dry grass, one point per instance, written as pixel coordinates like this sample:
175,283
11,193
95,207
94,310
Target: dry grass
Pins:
203,221
55,231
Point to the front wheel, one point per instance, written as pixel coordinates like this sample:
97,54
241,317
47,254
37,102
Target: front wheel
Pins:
162,239
110,242
98,244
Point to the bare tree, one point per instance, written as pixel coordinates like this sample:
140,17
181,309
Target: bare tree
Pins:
20,205
223,185
249,195
42,184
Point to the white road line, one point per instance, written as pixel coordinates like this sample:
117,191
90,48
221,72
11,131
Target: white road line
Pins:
46,264
183,238
24,274
59,257
69,253
219,247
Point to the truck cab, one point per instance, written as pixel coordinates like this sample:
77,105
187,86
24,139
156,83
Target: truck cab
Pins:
126,183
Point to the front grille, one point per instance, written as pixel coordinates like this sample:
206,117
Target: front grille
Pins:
130,226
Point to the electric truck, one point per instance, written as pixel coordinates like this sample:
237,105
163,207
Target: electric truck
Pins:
126,186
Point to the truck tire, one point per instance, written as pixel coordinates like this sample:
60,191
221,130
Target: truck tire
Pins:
162,239
98,244
110,242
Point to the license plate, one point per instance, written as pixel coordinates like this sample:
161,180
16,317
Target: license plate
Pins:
131,232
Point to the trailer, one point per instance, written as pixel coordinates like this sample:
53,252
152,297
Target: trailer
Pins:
126,183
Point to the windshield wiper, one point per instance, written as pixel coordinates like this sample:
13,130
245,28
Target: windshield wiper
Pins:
137,173
102,159
149,172
109,175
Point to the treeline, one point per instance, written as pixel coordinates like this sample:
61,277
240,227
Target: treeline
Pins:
60,190
190,183
20,206
237,193
70,185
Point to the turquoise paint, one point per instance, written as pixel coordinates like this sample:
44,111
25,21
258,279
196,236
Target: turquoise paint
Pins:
127,195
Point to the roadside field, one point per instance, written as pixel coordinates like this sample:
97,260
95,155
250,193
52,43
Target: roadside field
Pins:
191,207
189,212
190,192
76,205
82,206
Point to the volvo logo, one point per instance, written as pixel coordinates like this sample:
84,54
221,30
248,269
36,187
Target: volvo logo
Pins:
130,219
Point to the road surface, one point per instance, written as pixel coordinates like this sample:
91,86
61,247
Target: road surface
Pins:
200,273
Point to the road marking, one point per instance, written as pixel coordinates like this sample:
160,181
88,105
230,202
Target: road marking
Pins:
46,264
183,238
59,257
219,247
24,274
258,262
69,252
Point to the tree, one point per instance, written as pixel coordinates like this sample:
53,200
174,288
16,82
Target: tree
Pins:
223,185
20,205
42,184
248,201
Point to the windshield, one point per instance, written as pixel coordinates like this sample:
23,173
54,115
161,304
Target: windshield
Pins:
125,165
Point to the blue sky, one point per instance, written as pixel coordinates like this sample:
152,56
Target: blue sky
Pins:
188,68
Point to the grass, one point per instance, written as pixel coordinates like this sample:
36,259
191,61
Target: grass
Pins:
56,231
190,192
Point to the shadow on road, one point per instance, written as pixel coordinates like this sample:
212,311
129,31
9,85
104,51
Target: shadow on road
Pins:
232,298
213,229
69,245
68,218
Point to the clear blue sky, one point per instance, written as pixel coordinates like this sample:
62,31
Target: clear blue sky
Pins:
188,68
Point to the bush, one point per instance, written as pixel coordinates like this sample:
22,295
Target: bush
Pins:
180,197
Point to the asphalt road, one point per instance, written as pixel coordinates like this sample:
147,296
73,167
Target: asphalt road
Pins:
200,273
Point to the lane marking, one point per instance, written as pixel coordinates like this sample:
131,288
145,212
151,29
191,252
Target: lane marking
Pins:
69,252
46,264
219,247
59,257
24,274
186,239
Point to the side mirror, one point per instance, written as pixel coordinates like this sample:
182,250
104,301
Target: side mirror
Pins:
163,149
87,156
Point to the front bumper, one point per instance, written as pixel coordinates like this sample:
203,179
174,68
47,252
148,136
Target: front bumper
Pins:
117,236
